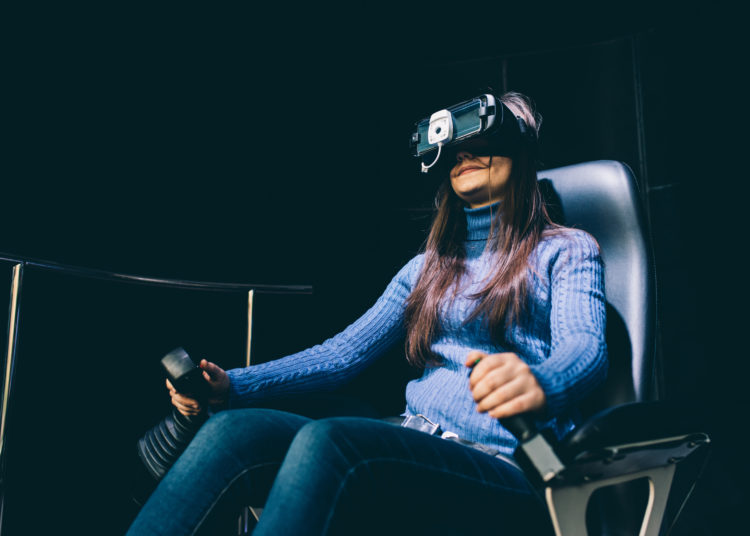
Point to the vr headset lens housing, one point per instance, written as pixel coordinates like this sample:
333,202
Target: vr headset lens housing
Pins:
467,121
481,126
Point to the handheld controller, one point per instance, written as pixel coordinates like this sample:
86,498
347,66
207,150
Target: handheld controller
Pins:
163,444
186,377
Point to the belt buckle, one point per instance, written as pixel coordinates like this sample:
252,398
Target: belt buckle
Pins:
421,423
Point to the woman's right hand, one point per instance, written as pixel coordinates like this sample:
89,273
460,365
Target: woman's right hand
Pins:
218,382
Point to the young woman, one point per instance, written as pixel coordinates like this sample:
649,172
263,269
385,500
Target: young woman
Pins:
505,313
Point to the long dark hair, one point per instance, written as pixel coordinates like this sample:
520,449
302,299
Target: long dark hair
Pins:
516,231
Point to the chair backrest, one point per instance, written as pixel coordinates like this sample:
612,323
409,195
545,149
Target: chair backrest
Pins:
601,198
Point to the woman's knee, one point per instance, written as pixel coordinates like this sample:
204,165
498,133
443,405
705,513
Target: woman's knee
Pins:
242,431
321,433
336,440
219,428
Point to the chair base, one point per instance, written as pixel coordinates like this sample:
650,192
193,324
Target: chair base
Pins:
567,505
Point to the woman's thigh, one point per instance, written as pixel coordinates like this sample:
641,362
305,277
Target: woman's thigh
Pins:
362,476
237,451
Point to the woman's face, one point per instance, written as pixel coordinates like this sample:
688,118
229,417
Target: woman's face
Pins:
480,180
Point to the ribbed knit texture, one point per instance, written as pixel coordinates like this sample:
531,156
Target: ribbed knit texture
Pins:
560,335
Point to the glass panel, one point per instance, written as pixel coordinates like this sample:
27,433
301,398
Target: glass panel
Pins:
466,121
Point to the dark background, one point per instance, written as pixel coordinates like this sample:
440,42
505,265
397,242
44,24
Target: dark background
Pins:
268,147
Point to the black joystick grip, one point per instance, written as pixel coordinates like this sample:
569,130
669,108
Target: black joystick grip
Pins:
163,444
186,377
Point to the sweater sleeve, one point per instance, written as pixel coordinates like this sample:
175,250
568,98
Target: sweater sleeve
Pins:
578,356
335,361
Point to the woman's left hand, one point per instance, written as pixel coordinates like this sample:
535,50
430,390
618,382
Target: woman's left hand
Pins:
503,384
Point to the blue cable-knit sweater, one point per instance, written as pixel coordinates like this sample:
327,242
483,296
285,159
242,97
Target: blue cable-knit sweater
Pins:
560,335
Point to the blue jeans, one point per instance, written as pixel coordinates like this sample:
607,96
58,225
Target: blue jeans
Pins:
342,475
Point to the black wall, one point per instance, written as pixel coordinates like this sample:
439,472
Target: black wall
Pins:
256,147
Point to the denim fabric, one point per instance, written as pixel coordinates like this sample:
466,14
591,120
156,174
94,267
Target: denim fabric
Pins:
342,475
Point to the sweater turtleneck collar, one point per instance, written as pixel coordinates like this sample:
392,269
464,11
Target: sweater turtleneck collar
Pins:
479,221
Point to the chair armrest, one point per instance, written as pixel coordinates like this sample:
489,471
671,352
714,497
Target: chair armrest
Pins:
619,440
627,424
628,439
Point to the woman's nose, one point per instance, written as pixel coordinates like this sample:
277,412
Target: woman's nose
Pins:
464,155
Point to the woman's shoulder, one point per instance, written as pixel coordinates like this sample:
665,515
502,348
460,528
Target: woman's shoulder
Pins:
414,266
410,271
568,238
566,243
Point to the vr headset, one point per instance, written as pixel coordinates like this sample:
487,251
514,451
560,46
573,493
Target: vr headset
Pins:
482,126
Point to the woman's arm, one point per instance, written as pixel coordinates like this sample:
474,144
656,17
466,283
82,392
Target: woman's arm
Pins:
335,361
578,358
503,384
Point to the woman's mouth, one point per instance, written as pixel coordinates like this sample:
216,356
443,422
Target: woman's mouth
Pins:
468,170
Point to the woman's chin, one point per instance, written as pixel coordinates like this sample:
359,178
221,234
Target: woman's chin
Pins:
474,197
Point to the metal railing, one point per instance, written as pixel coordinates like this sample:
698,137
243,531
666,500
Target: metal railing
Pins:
19,265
